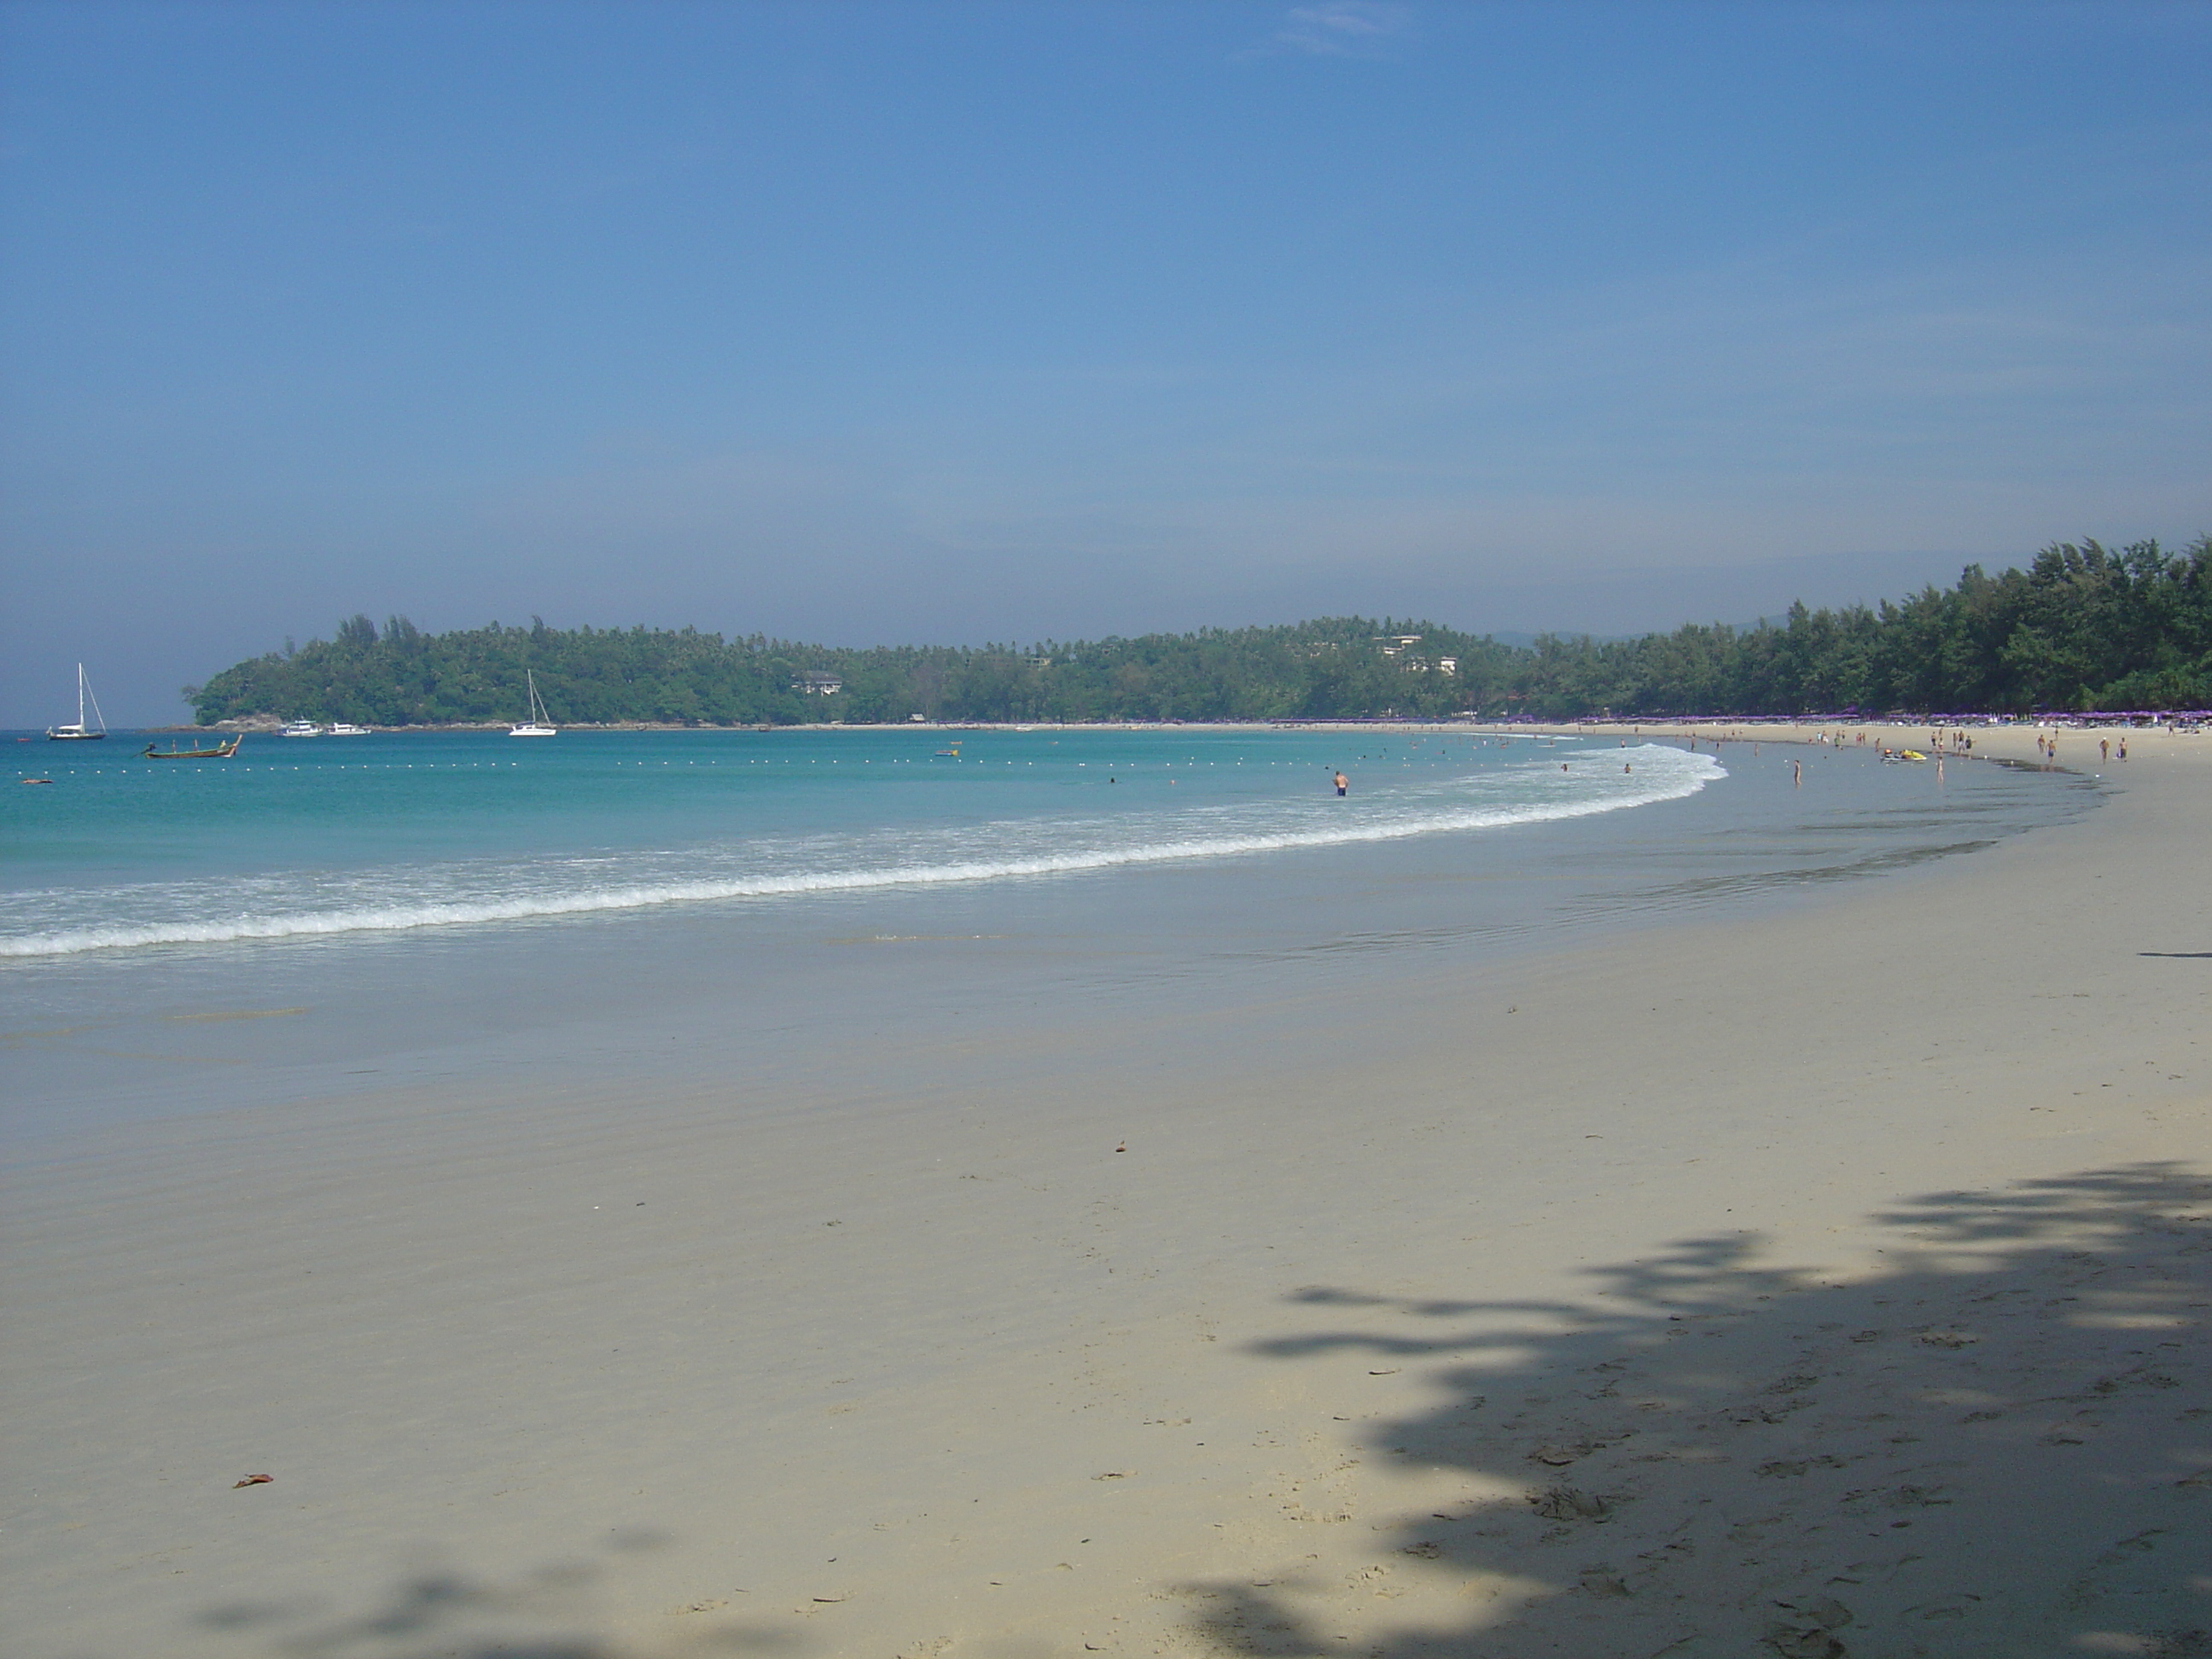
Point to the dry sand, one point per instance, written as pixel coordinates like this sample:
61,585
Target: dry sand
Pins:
1828,1282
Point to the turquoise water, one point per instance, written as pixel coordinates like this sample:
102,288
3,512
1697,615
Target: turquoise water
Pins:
386,833
744,914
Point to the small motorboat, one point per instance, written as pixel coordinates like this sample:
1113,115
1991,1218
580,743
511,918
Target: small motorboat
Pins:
220,751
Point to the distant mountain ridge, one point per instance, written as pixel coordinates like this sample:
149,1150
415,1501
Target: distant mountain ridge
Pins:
2081,627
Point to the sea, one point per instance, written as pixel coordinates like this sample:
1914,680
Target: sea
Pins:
317,917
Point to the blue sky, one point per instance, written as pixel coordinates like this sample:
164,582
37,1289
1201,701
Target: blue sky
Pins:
946,322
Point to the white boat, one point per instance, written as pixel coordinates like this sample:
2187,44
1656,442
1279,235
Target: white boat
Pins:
301,729
538,723
342,729
81,731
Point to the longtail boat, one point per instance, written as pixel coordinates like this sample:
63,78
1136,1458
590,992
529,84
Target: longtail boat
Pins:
221,751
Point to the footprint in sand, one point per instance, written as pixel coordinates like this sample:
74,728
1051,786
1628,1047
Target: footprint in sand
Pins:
1569,1504
1807,1629
1947,1607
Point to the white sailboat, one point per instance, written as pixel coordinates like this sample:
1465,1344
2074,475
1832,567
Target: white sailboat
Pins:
81,732
538,724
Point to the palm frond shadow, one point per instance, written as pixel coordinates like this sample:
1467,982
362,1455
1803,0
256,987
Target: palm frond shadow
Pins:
440,1612
2000,1444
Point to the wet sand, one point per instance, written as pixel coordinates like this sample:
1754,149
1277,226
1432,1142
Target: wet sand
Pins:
1832,1279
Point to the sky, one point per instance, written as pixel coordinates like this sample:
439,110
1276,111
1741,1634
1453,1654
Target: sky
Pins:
943,322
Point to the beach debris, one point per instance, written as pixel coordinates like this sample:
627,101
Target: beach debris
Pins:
1560,1454
1123,1147
1115,1474
1605,1586
1392,1371
252,1480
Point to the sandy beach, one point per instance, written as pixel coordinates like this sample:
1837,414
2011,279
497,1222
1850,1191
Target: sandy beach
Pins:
1827,1281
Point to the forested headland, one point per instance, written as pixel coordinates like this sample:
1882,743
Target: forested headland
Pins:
2080,627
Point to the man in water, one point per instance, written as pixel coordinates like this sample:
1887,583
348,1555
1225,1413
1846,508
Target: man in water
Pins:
1342,783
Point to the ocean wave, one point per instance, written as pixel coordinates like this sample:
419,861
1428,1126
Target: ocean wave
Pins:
1677,775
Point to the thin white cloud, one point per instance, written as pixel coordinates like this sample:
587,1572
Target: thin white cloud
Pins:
1341,28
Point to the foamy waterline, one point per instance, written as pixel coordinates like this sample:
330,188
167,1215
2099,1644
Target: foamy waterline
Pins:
1648,790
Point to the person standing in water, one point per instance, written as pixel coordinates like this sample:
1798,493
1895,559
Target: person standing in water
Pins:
1342,784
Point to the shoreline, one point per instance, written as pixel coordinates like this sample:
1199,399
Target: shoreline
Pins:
1214,1394
1777,728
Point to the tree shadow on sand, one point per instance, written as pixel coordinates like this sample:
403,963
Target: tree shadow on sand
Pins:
440,1612
1998,1445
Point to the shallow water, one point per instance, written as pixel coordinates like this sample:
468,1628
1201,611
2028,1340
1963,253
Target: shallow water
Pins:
379,834
345,913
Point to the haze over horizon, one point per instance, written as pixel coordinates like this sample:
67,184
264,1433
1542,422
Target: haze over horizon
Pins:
902,324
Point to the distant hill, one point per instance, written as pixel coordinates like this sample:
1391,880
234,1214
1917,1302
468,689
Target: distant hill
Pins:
2080,627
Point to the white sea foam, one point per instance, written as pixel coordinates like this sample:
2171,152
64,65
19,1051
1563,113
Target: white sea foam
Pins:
452,895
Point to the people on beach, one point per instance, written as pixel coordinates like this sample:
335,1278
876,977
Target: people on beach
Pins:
1342,783
1796,774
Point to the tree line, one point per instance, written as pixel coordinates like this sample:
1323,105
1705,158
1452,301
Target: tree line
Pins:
2080,627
